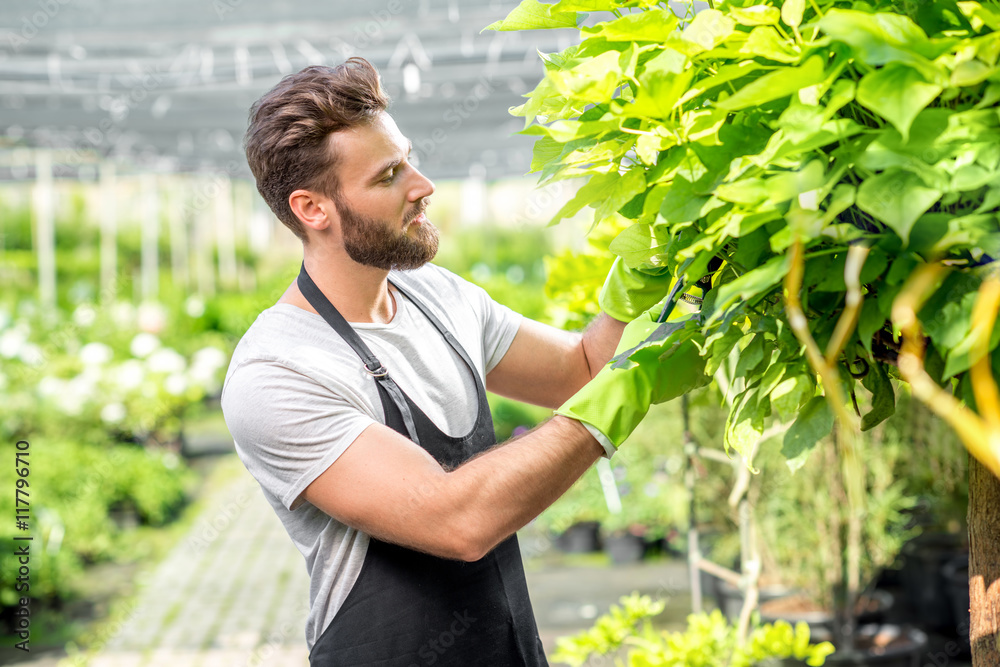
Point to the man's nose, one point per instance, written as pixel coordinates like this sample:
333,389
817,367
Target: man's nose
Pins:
422,186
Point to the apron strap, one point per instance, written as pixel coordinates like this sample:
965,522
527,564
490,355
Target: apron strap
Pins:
373,366
446,333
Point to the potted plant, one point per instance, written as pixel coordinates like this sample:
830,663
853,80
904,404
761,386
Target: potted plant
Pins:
828,172
805,535
708,641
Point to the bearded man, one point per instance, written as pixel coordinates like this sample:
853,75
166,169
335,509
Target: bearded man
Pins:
358,400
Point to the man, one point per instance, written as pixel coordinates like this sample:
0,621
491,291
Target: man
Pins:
358,400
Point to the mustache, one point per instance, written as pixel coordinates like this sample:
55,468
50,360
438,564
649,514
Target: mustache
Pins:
420,207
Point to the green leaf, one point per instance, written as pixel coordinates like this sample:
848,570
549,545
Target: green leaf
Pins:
774,374
720,343
658,94
545,151
709,28
592,81
960,358
970,73
598,187
655,25
881,38
898,93
585,6
755,15
752,283
883,397
681,203
791,12
792,392
791,184
870,321
534,15
635,245
764,41
683,357
667,60
897,198
745,424
631,183
750,356
813,423
777,84
747,191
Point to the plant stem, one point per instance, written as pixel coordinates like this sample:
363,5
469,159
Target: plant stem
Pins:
856,256
982,440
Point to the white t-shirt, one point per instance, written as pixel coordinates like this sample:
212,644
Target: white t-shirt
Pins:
296,396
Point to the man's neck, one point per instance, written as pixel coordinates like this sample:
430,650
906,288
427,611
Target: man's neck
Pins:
360,293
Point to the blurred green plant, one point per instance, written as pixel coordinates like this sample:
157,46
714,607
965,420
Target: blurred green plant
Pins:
708,641
87,500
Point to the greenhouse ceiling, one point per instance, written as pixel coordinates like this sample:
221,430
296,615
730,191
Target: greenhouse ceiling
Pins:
166,85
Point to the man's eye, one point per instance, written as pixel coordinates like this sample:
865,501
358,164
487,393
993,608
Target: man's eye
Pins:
391,175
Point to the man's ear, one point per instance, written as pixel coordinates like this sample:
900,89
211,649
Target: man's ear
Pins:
312,209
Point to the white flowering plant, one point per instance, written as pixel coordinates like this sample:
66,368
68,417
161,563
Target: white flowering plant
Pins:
96,372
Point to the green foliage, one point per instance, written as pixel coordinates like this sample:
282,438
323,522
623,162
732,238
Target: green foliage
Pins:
506,262
511,417
708,641
76,490
725,138
574,279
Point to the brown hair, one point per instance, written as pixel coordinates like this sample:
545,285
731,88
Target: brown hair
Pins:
287,143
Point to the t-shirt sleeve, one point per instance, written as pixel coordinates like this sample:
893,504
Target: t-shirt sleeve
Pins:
287,427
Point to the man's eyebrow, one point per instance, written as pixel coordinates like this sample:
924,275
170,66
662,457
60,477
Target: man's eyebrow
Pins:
393,163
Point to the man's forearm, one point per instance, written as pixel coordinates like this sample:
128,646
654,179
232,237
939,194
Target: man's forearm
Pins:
506,487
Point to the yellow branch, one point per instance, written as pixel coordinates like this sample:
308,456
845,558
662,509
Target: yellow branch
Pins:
852,471
856,256
984,386
982,441
800,327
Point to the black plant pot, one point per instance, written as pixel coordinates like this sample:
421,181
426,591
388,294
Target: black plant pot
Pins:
624,548
730,598
822,623
581,537
879,645
956,578
923,579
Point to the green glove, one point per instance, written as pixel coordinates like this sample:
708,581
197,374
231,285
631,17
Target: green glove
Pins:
627,292
619,396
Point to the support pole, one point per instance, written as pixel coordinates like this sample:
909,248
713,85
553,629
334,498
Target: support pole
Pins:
45,233
150,226
109,232
694,553
225,233
176,220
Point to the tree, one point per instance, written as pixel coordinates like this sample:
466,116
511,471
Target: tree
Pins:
830,173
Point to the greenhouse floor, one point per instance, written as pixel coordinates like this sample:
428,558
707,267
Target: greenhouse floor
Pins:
234,591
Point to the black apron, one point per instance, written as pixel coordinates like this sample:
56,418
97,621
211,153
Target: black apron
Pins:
408,608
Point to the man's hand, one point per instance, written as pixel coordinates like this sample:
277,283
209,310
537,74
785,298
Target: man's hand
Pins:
628,292
655,362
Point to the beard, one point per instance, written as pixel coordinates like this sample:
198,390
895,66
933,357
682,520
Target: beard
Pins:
380,244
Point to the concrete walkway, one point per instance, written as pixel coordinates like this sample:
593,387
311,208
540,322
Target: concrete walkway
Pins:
234,592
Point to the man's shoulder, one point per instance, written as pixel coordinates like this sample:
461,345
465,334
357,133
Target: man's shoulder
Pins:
286,339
